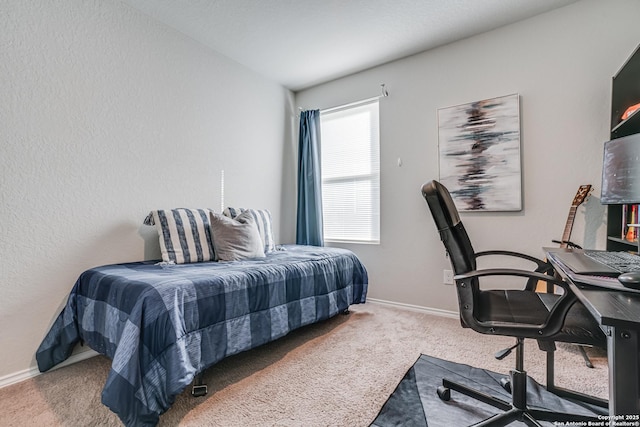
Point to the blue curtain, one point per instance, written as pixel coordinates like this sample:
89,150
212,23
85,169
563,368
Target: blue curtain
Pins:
309,219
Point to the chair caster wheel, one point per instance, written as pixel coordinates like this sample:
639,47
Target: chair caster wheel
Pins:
444,393
506,384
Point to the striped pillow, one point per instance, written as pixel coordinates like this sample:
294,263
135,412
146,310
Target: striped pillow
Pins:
262,218
185,235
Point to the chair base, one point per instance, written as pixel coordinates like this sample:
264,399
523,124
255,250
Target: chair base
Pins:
531,417
516,410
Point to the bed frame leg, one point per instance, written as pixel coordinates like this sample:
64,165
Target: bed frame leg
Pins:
199,389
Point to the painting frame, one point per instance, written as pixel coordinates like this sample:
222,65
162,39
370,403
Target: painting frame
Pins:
479,154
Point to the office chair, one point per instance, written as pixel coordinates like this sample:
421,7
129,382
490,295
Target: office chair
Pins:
518,313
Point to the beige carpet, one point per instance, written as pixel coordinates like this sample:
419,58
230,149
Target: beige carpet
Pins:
337,373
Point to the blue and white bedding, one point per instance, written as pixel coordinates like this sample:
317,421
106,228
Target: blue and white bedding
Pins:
163,324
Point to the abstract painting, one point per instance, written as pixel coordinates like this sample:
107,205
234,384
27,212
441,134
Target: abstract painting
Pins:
479,154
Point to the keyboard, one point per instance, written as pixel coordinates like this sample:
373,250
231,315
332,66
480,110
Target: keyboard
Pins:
622,262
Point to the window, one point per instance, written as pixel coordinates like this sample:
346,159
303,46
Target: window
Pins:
350,163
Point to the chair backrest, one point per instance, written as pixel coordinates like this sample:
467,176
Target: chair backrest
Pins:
452,231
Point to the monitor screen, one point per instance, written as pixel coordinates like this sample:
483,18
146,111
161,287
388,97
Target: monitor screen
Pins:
621,171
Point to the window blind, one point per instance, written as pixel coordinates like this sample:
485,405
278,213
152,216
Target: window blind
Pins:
350,164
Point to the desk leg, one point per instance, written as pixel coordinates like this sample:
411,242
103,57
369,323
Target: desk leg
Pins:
624,371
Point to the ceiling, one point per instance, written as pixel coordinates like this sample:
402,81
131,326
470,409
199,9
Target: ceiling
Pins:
301,43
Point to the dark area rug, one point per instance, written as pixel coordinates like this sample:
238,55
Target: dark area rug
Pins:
416,403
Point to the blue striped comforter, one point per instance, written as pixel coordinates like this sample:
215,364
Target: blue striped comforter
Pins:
162,324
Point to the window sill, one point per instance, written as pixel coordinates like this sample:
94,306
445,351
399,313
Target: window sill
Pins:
354,242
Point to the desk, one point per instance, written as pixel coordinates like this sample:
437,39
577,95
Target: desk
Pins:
618,314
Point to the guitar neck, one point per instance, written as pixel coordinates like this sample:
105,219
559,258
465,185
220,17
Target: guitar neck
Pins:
580,197
566,235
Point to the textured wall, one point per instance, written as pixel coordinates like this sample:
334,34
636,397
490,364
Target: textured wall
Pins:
105,115
561,64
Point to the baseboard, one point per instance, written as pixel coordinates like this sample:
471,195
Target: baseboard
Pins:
429,310
17,377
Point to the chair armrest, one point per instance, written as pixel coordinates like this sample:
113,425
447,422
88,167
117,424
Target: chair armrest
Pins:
543,266
467,284
513,272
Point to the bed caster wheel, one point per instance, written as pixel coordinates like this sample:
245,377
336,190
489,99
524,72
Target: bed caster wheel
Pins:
506,384
444,393
199,390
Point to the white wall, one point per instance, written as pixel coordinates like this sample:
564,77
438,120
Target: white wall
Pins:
561,64
105,115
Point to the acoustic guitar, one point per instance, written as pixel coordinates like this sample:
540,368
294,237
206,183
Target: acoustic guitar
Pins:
580,198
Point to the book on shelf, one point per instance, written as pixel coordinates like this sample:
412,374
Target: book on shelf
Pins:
630,222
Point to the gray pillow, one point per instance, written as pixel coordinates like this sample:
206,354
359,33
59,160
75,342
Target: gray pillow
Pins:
234,240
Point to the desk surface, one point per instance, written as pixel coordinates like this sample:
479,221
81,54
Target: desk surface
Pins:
618,308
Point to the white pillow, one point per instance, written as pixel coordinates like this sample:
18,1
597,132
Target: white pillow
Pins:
262,218
184,235
235,240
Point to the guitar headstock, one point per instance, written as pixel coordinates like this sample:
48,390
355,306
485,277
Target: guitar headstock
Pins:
581,196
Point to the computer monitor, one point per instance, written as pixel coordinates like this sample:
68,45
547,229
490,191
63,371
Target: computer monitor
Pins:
621,171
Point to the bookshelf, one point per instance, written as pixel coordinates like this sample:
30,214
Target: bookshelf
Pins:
619,238
625,92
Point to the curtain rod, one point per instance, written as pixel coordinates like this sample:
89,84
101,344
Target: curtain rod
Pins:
383,94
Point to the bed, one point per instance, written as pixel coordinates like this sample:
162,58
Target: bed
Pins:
163,324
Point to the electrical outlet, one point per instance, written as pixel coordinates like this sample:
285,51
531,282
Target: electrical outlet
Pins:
447,277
